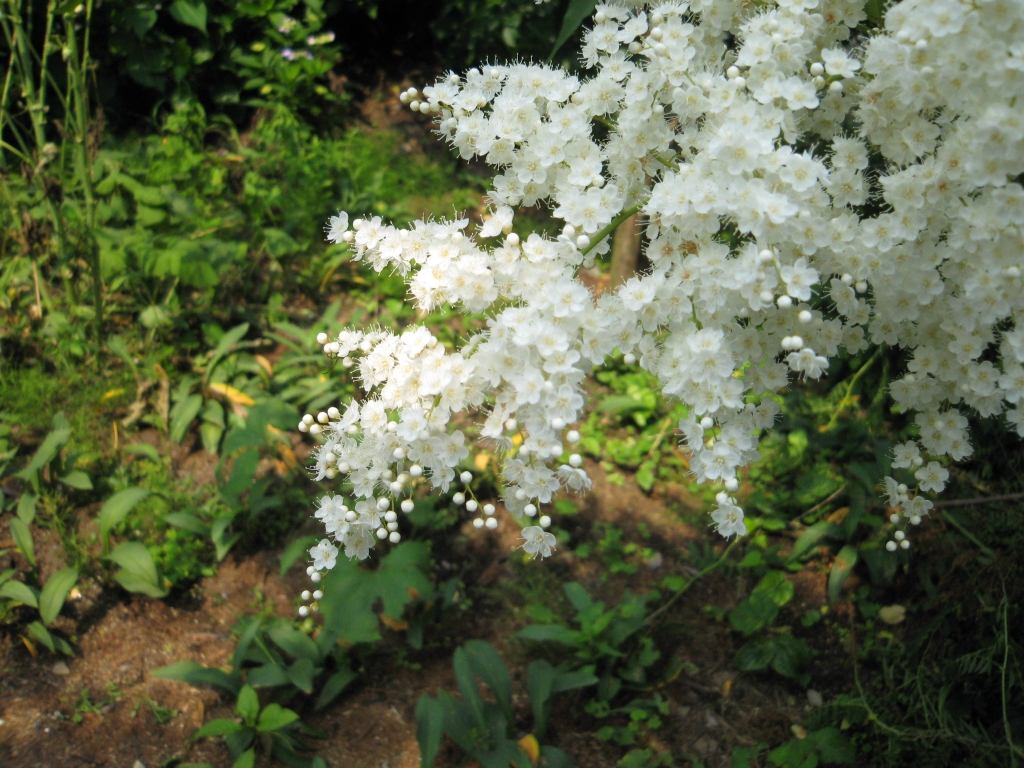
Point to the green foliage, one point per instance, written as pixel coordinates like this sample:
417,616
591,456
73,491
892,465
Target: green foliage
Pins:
605,640
274,728
484,730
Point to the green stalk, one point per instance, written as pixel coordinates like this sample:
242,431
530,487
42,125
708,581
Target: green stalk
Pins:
78,100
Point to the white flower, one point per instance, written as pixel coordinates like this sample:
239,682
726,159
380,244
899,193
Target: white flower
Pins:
729,519
537,541
903,455
324,554
932,477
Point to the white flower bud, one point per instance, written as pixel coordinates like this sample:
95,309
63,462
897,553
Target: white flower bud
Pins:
478,522
303,611
308,419
511,425
629,358
572,436
732,72
408,505
315,578
390,516
492,523
530,510
383,503
707,422
894,518
512,240
905,544
545,521
817,69
458,499
305,594
392,526
398,454
322,417
732,484
415,471
314,429
489,509
784,302
466,477
576,460
318,595
303,427
382,533
395,537
805,316
891,546
582,242
333,413
321,338
472,505
557,424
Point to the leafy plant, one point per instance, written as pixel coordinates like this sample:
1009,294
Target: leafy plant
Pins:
48,601
484,730
779,651
275,729
602,638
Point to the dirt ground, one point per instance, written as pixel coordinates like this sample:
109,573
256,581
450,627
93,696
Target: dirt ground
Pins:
123,637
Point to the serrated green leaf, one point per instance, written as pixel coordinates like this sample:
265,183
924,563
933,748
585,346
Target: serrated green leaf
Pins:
776,587
54,592
753,613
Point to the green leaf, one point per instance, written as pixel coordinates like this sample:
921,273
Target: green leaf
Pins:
555,633
875,11
269,675
58,437
841,569
575,15
188,522
755,655
55,591
540,678
76,478
143,449
553,757
578,596
292,641
40,633
155,315
193,673
275,717
117,508
775,587
227,341
21,592
814,534
27,508
833,746
295,550
753,613
335,684
245,760
191,14
790,655
138,571
248,704
183,414
23,539
468,687
429,729
302,674
219,727
490,668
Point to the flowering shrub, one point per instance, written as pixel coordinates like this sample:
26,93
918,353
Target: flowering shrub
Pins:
806,186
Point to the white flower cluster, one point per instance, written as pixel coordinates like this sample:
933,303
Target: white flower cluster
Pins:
805,188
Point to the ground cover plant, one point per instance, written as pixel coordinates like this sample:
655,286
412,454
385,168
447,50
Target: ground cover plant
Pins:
758,262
